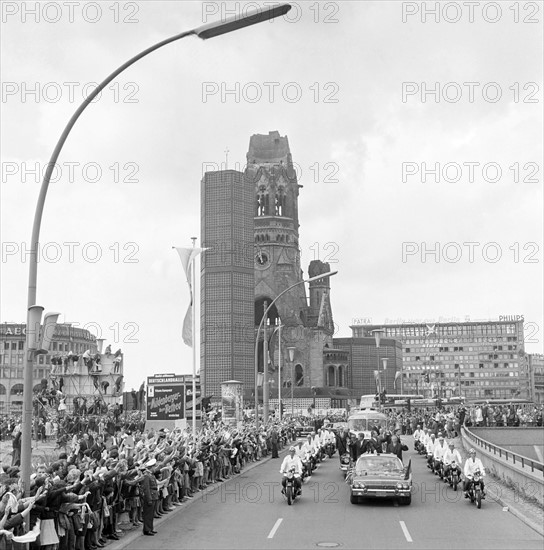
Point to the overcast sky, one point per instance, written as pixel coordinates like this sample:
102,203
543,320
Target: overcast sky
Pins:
350,84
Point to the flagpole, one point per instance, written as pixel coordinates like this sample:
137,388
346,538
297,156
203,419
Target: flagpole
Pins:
193,306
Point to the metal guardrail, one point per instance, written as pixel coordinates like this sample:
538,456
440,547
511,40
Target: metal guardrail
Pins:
504,453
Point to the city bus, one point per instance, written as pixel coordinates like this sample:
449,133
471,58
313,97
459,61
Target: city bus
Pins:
394,400
366,420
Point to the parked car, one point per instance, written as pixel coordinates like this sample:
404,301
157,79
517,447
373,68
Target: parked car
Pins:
380,476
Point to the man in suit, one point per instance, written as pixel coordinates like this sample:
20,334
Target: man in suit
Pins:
342,442
360,445
396,446
274,439
150,495
373,445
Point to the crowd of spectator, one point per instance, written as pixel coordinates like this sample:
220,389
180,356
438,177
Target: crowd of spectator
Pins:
77,500
449,419
108,468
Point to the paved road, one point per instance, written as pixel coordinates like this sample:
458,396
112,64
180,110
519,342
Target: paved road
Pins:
528,442
250,512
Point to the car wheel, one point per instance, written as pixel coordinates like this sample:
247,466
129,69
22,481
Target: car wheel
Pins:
407,500
354,499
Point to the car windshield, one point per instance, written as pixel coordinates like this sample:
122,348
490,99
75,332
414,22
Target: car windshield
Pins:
377,464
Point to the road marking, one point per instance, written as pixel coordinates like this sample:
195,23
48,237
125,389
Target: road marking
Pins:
405,531
275,528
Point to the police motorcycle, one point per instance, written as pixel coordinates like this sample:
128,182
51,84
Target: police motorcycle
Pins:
438,467
430,459
307,466
329,448
420,447
475,491
290,492
314,459
453,475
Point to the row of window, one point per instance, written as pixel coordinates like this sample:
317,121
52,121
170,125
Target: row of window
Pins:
482,349
460,366
460,329
490,356
498,394
468,340
18,372
61,347
18,359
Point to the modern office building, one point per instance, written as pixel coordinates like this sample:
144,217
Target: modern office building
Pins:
366,371
227,281
536,373
475,360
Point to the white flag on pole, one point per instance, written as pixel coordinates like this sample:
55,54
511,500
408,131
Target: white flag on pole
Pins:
187,255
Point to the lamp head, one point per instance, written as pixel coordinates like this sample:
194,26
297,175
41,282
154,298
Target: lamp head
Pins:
239,21
291,351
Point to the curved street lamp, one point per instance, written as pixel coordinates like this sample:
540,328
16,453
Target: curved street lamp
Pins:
204,32
265,381
378,333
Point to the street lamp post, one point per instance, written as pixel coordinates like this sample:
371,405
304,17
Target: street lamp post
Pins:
278,330
377,337
265,412
204,32
291,351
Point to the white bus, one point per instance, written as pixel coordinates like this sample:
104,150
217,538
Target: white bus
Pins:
365,421
393,400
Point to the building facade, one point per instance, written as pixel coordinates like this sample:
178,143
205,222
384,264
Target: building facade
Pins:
63,368
475,360
227,281
536,370
366,371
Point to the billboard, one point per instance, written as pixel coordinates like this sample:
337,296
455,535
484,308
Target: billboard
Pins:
165,397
